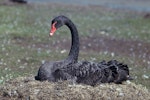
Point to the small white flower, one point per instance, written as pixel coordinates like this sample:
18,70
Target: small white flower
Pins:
145,76
63,51
112,54
21,67
106,52
19,60
43,61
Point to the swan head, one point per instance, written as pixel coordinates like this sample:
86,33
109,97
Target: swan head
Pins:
57,22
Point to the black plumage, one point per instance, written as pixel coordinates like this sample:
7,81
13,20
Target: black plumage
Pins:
85,72
93,73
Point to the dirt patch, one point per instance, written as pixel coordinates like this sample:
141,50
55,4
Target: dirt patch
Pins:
118,46
133,48
28,88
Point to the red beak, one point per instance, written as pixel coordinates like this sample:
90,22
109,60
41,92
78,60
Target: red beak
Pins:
53,29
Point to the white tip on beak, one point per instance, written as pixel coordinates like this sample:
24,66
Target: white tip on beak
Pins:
51,34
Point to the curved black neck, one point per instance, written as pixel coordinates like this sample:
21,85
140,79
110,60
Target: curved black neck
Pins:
74,51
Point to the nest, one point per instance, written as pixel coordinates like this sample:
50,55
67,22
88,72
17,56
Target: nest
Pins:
30,89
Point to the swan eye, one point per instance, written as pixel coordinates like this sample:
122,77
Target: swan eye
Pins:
53,29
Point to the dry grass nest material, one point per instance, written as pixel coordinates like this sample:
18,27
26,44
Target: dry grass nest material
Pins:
27,88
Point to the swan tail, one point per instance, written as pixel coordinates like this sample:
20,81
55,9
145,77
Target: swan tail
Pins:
36,78
119,72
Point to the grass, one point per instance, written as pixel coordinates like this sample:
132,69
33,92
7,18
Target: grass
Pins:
23,27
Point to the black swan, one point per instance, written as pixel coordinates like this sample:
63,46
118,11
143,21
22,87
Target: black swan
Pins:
19,1
48,69
85,72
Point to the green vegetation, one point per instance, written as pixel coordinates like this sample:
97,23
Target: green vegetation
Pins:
25,43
